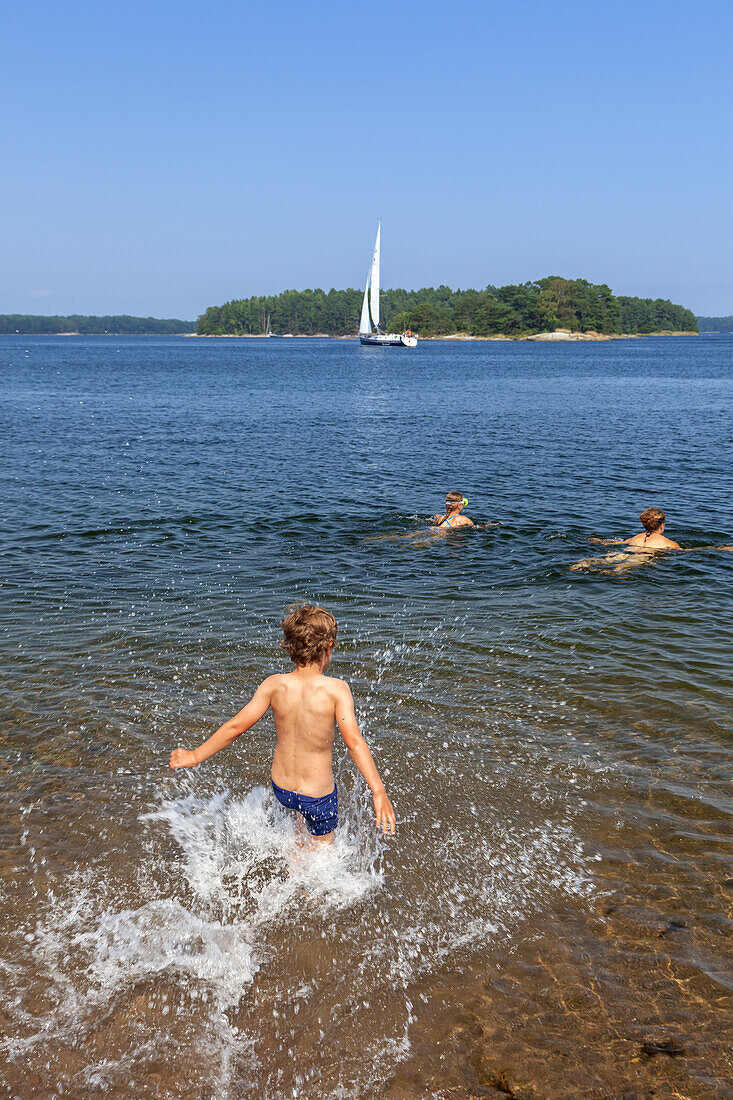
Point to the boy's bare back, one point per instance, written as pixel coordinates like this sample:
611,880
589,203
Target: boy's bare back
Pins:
304,708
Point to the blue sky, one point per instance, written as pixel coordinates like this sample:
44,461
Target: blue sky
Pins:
160,157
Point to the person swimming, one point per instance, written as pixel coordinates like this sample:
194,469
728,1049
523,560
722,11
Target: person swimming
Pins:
652,537
642,546
454,505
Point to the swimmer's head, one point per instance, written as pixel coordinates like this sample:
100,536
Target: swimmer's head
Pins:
454,502
309,634
652,519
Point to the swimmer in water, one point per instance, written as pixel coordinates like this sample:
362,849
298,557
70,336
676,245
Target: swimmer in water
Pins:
439,525
646,543
305,705
454,505
652,537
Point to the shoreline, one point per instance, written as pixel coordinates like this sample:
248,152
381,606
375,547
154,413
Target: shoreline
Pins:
559,335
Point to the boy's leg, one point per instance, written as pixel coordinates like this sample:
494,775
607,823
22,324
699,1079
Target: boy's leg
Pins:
305,840
301,830
316,842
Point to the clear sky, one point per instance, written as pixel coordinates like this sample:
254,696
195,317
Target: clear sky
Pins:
161,157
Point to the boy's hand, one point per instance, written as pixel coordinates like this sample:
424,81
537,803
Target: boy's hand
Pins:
182,758
385,814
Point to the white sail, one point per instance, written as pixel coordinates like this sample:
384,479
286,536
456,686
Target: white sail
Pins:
364,325
374,281
369,332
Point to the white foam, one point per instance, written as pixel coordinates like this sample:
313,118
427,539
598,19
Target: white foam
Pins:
241,856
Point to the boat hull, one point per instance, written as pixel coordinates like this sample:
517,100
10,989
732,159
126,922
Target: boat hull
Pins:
389,340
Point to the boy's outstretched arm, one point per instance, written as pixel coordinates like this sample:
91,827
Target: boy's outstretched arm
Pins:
362,757
256,707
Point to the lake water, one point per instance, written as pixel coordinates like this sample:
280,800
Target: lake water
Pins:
553,917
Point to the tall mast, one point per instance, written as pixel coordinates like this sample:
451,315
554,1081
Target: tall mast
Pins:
374,278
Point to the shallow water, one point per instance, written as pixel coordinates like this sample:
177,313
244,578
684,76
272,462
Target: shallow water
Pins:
553,917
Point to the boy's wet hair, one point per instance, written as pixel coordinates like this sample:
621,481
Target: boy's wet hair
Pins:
308,633
652,519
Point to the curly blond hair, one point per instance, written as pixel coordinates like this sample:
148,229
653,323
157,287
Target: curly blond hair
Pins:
308,633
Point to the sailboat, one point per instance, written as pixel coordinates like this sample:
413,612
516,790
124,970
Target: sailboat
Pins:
369,331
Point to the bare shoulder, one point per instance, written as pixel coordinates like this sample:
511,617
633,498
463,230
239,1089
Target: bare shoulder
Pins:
339,692
272,683
464,521
670,545
339,688
275,679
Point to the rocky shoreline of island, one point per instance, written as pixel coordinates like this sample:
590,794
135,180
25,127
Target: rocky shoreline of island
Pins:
562,334
557,335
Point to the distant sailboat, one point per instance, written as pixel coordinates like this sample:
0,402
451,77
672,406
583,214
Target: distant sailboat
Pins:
268,331
369,332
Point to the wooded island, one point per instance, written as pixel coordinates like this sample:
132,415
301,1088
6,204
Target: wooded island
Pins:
514,310
715,324
78,324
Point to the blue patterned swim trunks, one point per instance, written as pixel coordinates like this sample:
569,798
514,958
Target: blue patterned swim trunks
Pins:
320,814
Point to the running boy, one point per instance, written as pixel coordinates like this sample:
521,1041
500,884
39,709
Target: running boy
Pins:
305,703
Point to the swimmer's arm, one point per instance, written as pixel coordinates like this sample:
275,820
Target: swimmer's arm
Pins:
362,757
230,731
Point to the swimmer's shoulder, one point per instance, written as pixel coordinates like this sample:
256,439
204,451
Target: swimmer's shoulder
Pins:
640,542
